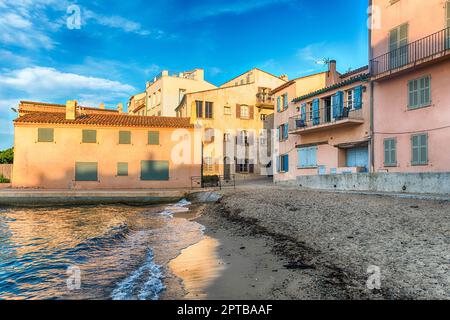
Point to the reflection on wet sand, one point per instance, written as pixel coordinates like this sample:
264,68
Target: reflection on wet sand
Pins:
198,266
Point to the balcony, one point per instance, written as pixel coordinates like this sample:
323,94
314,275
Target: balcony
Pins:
424,51
325,121
264,98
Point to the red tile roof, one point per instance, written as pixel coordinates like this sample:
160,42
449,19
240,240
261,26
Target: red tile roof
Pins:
104,119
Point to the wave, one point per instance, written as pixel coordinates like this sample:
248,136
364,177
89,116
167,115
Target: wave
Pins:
179,207
131,288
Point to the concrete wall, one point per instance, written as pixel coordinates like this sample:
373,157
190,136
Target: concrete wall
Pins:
438,183
6,170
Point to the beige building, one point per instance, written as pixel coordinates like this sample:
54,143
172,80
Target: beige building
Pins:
136,104
236,120
165,92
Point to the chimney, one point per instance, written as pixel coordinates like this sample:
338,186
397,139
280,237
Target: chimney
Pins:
120,107
332,73
284,77
102,105
71,109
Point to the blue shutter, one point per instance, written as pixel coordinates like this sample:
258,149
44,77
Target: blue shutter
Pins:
278,133
303,111
338,105
313,156
358,97
316,114
279,104
278,163
286,163
286,131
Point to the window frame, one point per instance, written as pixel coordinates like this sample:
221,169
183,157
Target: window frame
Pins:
120,169
41,131
390,149
242,114
419,91
420,162
209,107
199,109
149,142
85,133
225,108
77,173
128,138
307,165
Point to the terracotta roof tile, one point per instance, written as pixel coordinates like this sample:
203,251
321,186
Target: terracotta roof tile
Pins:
105,119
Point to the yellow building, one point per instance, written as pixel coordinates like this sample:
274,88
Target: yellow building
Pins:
136,104
164,93
236,120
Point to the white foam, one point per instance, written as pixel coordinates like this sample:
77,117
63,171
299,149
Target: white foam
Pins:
179,207
152,287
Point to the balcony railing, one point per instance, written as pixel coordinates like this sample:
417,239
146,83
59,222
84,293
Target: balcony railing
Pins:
435,45
325,119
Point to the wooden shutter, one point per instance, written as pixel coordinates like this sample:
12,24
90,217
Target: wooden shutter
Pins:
423,141
124,137
153,137
152,170
316,112
279,104
89,136
358,97
86,171
122,169
251,112
238,111
415,149
45,135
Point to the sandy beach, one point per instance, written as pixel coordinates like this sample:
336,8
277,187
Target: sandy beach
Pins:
275,242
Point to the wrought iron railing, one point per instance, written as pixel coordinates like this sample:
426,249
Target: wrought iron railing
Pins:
325,116
435,44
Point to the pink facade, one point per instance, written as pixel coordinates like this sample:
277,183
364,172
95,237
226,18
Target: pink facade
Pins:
328,128
410,65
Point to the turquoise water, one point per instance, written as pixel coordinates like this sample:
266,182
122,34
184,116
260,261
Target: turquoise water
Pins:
92,252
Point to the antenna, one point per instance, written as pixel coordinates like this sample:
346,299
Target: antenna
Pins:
324,61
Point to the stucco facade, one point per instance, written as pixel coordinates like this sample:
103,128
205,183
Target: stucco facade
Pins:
240,140
410,65
52,161
166,91
329,140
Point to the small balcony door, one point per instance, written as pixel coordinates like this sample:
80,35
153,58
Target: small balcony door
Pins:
398,41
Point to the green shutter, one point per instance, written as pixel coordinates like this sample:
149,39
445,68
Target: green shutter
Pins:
89,136
419,144
124,137
86,171
45,135
152,170
153,137
122,169
390,152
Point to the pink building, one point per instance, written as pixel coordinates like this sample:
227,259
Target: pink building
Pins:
327,129
410,66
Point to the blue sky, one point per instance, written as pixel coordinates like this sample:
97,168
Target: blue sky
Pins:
122,44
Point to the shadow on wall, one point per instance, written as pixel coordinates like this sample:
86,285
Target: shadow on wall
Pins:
148,173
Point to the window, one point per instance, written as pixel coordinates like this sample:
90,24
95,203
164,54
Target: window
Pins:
244,166
153,138
419,93
419,144
122,169
307,157
398,39
263,117
245,112
243,138
89,136
283,132
284,98
227,110
45,135
124,137
208,110
227,137
152,170
283,163
86,171
390,152
199,108
350,95
208,165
